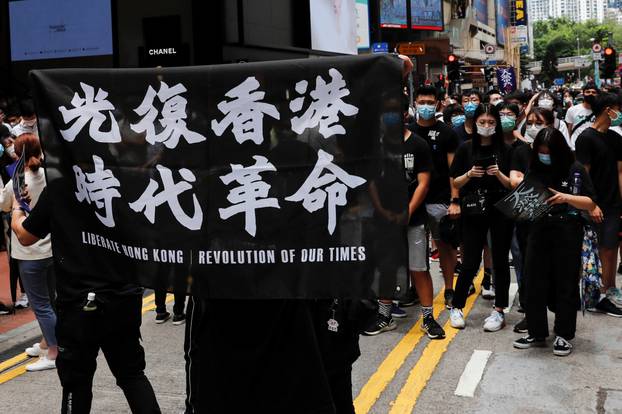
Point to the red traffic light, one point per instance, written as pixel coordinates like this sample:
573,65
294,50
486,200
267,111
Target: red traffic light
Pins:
608,51
452,58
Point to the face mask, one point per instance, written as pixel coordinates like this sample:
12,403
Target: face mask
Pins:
1,150
532,132
497,102
458,120
469,109
544,158
11,151
485,131
30,123
545,104
426,112
452,102
392,119
617,121
508,123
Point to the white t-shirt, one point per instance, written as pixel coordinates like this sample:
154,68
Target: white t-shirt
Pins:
36,183
577,114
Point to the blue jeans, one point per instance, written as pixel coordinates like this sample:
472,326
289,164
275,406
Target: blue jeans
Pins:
34,274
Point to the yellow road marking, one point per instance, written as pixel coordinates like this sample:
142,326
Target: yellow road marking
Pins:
18,370
388,368
427,363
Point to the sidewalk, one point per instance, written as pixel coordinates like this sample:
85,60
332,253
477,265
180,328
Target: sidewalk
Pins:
21,316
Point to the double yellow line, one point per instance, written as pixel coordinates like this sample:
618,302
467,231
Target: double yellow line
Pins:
14,367
421,373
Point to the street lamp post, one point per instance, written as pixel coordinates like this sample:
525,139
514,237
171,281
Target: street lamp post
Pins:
579,65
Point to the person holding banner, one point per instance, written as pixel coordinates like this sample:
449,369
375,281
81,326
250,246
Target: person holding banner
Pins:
553,256
480,172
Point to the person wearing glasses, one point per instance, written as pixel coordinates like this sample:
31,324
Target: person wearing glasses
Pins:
480,172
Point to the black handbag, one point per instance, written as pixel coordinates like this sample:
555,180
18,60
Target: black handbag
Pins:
474,204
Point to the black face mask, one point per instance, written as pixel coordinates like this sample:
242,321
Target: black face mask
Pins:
589,99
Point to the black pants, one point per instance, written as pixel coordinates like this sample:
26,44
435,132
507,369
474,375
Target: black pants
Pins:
115,329
160,302
553,266
474,233
173,278
522,233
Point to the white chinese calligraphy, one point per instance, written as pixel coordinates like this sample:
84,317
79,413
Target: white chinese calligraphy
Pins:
244,112
98,187
172,118
313,195
252,194
326,106
90,109
149,200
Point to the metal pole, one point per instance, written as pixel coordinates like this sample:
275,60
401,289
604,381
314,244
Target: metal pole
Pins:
579,66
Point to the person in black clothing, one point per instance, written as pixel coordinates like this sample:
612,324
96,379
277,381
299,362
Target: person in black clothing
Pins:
480,172
441,200
470,101
453,115
113,326
508,113
599,149
553,257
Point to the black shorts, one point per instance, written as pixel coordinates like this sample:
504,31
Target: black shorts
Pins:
609,229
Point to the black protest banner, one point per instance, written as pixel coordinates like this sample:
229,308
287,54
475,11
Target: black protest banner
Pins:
527,202
263,180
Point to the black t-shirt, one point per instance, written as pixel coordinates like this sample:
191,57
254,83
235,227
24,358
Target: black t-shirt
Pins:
442,140
462,133
417,159
520,158
577,182
465,157
602,153
72,287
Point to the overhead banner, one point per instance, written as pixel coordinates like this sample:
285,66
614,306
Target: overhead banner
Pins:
502,20
519,8
506,79
481,11
259,180
426,14
362,24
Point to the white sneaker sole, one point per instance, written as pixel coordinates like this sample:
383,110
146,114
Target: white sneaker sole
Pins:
457,325
179,322
495,329
381,330
562,353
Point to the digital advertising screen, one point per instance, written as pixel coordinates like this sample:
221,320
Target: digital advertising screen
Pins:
334,26
503,18
426,14
481,10
393,14
362,24
56,29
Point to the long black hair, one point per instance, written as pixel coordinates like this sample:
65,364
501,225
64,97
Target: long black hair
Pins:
562,157
497,138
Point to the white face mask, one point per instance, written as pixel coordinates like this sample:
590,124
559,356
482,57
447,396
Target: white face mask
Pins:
531,132
545,104
485,131
11,151
497,102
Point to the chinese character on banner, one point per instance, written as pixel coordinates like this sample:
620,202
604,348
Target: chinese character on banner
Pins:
325,107
251,194
90,109
245,112
172,118
98,187
149,201
506,79
316,189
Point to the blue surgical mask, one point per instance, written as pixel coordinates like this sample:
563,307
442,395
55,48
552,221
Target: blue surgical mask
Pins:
392,119
544,158
426,112
469,109
457,120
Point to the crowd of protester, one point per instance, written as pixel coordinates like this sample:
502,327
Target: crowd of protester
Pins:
462,154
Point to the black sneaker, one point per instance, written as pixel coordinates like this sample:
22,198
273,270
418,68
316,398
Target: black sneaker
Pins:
179,319
521,327
472,289
527,342
458,268
607,307
432,328
4,310
561,347
162,317
380,325
449,297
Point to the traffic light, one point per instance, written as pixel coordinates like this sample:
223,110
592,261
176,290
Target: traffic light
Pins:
453,68
488,75
610,64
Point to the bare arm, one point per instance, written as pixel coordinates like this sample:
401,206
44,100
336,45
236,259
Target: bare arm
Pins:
17,219
421,191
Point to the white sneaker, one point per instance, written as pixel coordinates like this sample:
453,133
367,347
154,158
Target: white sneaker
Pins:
456,318
34,350
495,322
42,364
488,293
22,302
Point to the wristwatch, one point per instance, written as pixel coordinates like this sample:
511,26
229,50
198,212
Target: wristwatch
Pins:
455,200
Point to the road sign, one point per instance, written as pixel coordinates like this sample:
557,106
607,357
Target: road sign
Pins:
597,56
411,49
558,81
597,48
380,48
490,62
490,49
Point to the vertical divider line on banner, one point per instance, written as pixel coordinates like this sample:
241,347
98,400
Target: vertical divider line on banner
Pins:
429,360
